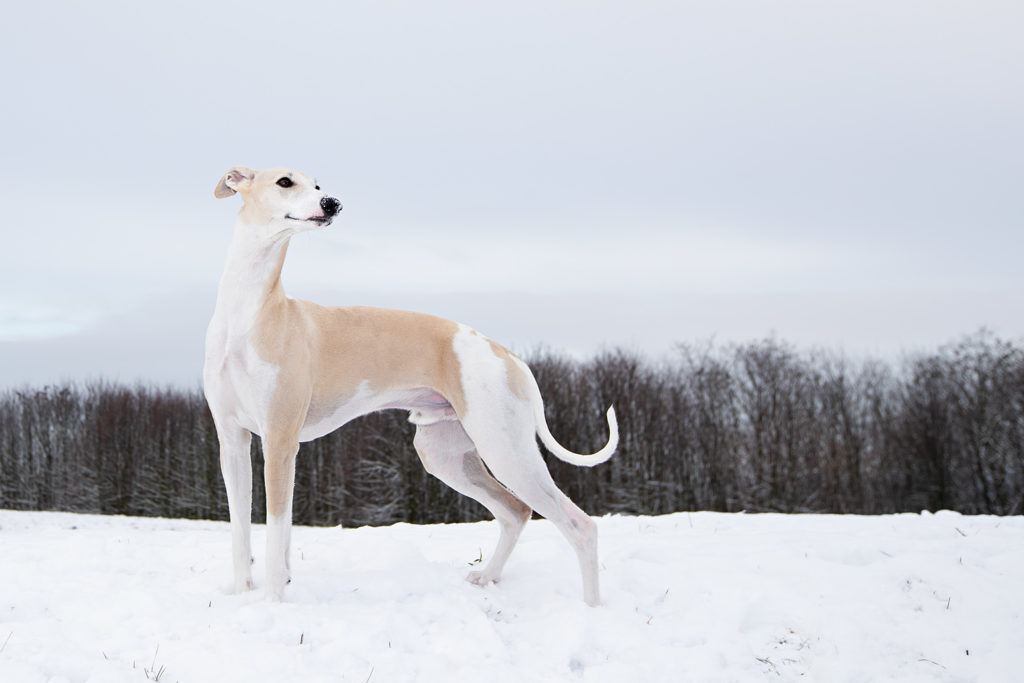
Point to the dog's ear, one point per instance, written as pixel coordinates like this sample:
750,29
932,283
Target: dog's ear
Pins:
233,180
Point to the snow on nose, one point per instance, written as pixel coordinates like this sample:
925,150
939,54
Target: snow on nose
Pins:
330,205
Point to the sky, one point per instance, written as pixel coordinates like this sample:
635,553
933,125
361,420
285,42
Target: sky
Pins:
569,175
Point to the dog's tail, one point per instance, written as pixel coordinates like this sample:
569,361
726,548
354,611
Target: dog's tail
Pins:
558,449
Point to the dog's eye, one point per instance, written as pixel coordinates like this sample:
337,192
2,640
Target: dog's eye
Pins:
285,182
317,187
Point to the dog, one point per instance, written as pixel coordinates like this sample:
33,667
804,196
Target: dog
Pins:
290,371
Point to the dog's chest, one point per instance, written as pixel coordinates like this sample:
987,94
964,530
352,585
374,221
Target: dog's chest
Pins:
239,381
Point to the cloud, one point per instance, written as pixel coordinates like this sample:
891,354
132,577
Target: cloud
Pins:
604,257
23,324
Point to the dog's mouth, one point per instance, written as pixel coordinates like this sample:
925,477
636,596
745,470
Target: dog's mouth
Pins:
318,220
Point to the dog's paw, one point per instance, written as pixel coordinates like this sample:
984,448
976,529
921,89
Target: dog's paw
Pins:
481,577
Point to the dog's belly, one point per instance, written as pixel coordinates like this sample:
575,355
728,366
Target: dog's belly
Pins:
425,406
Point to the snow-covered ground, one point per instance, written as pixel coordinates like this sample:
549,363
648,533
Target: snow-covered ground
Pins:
687,597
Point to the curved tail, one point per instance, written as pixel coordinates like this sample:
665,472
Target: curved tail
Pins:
575,458
557,449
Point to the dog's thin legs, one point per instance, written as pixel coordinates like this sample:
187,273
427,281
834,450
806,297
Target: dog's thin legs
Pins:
279,474
236,467
539,491
518,464
511,513
449,454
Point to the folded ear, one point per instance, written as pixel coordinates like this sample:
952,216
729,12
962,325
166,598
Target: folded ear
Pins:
233,180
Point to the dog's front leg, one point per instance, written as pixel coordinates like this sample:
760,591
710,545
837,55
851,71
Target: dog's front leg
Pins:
236,466
279,473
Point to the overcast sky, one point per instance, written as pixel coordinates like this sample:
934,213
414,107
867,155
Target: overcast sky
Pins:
561,173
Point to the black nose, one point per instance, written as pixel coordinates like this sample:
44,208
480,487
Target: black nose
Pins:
330,205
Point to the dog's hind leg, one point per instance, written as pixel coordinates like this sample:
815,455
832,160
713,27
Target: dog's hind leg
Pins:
518,464
448,453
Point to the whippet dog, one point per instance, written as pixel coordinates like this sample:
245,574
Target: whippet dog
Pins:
290,371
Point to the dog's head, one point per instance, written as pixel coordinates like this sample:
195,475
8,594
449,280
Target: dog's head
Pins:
280,197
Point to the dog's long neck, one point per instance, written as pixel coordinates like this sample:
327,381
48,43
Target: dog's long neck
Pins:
252,274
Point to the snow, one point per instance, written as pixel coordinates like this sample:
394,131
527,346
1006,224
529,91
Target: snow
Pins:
687,597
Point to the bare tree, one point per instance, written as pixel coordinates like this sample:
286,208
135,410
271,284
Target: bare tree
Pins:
758,426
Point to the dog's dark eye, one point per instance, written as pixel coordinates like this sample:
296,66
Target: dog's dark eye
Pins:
317,187
285,182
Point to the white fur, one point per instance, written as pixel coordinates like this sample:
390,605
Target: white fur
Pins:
279,532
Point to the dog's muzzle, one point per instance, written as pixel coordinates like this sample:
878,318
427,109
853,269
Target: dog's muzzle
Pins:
329,205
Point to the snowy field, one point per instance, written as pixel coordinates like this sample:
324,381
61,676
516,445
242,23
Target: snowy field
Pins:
687,597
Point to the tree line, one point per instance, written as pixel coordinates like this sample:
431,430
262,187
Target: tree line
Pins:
760,426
